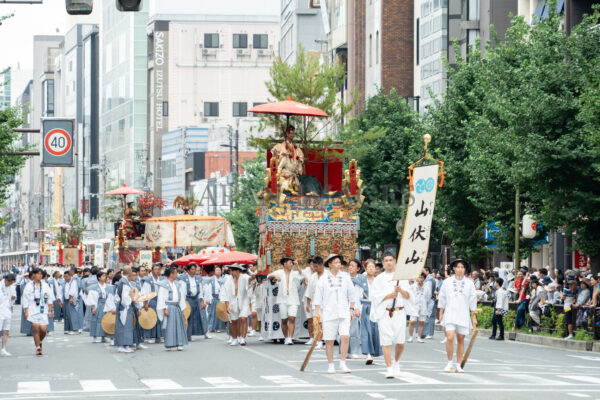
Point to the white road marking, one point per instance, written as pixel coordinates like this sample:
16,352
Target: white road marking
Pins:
589,358
97,385
415,379
468,377
582,378
376,395
33,387
579,395
161,384
224,382
286,380
351,380
532,379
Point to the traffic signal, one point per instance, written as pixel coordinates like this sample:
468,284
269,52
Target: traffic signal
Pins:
79,7
129,5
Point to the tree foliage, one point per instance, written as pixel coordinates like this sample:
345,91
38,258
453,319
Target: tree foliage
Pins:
242,217
384,139
306,81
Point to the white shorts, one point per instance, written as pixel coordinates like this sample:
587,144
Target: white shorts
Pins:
5,324
461,330
392,330
334,327
285,311
420,318
40,319
239,311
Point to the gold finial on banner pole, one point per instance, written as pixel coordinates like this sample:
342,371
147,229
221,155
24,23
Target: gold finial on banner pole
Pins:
426,139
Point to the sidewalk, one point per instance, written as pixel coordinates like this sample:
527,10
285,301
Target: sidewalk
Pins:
574,345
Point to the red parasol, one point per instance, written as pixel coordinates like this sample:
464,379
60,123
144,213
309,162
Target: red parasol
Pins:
124,191
42,231
192,259
232,257
289,107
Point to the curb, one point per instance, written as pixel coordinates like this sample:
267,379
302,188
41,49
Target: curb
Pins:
574,345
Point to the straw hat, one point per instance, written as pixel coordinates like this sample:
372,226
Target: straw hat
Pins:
187,311
108,323
148,318
222,312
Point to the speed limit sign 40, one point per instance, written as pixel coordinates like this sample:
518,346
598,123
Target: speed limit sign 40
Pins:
58,141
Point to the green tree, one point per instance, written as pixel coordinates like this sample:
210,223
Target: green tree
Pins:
310,82
384,139
242,217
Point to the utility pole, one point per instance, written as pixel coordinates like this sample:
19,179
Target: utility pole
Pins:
517,258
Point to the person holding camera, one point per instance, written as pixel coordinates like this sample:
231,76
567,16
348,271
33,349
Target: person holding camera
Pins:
568,296
538,297
38,301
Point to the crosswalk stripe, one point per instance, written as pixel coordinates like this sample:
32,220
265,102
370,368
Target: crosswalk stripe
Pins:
474,379
350,379
224,382
415,379
581,378
161,384
535,379
376,395
286,380
97,385
33,387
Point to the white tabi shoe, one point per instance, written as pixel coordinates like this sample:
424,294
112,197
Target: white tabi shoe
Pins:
179,348
310,342
141,347
409,339
124,349
4,353
331,369
344,368
97,340
444,341
320,346
389,374
449,367
229,340
151,341
251,333
190,339
242,342
458,369
369,360
234,342
261,338
207,336
419,340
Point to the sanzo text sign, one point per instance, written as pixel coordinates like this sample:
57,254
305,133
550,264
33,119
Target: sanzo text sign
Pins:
58,141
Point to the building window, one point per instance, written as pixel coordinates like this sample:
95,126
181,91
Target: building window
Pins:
254,105
240,41
260,41
211,109
314,4
165,109
211,40
472,35
168,169
377,47
473,11
417,27
49,98
240,109
370,50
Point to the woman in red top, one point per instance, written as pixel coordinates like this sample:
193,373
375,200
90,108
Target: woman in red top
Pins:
521,286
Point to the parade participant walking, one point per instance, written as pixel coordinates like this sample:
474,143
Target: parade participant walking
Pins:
7,295
500,309
235,294
420,294
257,304
38,302
127,333
50,320
369,331
26,327
195,298
334,306
457,299
170,304
309,295
99,296
150,284
57,283
389,311
354,347
73,319
306,274
287,296
216,284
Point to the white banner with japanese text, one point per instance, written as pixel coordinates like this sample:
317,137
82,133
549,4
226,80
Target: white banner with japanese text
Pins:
414,244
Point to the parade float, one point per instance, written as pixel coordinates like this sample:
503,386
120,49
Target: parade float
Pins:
309,205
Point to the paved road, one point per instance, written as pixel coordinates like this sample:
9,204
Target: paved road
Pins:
74,368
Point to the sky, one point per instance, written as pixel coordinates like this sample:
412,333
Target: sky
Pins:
50,18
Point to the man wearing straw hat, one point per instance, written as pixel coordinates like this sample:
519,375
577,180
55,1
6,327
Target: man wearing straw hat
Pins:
235,294
334,306
287,296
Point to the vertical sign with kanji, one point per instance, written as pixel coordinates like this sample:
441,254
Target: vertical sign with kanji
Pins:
414,244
